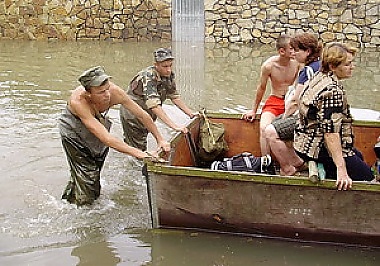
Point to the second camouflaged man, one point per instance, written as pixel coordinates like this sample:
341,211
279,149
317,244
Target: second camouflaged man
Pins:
149,89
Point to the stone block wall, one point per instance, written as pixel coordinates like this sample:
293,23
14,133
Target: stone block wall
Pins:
226,21
235,67
262,21
86,19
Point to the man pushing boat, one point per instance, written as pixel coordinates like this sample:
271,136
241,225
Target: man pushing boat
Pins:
84,129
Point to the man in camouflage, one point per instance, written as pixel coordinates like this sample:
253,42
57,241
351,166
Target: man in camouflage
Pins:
84,128
149,89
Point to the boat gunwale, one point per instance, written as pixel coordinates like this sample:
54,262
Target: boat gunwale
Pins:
159,168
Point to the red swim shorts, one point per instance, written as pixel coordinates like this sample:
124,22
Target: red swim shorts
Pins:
274,105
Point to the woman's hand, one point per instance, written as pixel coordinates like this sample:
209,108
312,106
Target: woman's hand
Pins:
343,181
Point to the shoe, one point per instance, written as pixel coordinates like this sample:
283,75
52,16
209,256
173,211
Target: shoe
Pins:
267,165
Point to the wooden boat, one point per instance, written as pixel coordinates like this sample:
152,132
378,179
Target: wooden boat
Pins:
186,197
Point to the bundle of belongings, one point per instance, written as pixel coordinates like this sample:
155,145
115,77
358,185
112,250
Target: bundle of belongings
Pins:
212,145
211,148
246,162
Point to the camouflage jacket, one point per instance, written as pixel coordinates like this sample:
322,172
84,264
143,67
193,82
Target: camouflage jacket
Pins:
148,89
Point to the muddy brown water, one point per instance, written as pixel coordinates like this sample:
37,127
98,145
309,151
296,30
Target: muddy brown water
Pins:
38,228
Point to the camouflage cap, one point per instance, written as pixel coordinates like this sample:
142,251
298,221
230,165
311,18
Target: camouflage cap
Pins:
93,77
163,54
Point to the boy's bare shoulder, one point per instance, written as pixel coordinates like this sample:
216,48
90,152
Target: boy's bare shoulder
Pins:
270,62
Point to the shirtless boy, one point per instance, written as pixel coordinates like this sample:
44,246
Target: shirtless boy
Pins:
282,71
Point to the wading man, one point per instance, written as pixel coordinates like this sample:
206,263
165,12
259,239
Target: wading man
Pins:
84,129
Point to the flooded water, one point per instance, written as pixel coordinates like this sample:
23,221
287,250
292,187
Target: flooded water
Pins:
38,228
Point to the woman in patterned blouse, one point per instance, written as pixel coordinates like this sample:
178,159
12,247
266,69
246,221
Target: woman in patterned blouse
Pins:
324,130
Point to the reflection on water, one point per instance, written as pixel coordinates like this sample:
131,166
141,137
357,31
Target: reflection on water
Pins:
172,248
36,226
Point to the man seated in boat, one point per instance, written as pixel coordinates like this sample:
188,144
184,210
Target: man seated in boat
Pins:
149,89
324,129
282,71
280,133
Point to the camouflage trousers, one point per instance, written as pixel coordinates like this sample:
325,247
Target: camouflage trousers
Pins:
135,133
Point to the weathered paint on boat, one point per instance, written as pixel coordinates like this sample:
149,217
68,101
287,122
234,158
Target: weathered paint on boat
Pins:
187,197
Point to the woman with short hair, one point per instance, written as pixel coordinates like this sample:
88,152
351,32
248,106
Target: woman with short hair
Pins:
324,130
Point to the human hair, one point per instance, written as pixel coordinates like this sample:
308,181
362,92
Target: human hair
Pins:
335,54
307,41
282,41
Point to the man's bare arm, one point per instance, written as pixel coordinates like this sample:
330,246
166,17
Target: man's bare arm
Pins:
145,118
181,105
260,91
82,110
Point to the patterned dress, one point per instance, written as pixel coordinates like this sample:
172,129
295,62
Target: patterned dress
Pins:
323,109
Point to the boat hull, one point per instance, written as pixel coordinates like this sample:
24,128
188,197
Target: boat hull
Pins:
301,212
186,197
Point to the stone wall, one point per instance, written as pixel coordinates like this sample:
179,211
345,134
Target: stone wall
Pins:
226,21
261,21
86,19
236,68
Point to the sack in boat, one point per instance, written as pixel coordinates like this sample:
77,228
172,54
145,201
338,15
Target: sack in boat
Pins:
245,162
212,144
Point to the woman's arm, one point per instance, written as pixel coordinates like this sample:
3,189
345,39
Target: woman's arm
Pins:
333,144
